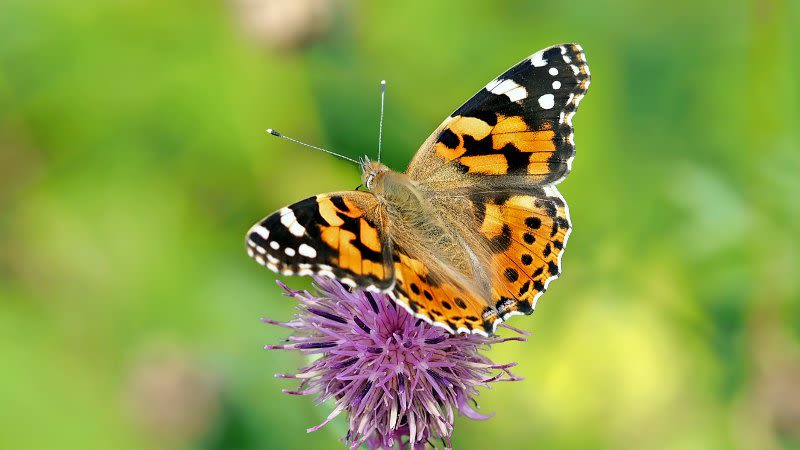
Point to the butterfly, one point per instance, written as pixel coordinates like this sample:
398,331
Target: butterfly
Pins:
474,230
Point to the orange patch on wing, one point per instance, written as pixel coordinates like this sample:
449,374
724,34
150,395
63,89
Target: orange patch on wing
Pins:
472,126
352,209
373,268
328,211
510,124
538,162
369,236
526,141
447,153
330,236
492,223
494,164
349,256
513,130
539,165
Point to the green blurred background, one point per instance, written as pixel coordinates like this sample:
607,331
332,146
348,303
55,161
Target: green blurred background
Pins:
133,158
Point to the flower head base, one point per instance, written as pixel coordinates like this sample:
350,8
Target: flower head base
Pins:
399,379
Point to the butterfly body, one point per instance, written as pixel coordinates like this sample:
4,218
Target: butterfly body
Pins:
473,231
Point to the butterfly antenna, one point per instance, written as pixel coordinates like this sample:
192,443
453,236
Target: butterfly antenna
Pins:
278,134
380,125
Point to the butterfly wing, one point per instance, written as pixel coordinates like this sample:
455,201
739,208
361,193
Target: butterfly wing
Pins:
338,235
519,125
525,234
439,295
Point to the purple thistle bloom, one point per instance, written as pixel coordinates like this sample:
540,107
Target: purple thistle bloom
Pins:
400,380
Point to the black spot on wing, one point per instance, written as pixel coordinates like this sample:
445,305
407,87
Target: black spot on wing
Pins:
524,289
517,161
533,222
552,268
449,139
511,274
524,306
478,147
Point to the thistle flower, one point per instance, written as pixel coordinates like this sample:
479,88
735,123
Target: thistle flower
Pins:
399,380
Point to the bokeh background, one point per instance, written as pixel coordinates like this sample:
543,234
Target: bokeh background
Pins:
133,158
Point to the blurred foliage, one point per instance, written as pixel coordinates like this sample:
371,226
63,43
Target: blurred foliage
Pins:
133,159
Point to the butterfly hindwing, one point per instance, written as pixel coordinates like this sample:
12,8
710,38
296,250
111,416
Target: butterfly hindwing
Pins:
430,292
339,235
519,124
526,234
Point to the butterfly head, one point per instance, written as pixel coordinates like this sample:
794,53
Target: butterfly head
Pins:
371,171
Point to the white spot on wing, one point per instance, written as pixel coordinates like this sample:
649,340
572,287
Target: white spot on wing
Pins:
261,231
553,71
274,245
556,84
307,251
538,60
547,101
509,87
290,221
289,251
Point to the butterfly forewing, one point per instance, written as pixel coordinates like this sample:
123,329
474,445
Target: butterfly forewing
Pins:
340,235
519,124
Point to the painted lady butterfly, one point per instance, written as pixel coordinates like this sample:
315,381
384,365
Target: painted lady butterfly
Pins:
474,230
